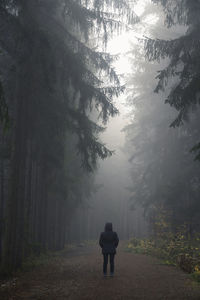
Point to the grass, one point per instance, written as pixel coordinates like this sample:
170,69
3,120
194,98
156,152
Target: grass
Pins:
44,258
171,250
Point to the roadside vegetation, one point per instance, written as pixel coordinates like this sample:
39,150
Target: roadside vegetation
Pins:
172,248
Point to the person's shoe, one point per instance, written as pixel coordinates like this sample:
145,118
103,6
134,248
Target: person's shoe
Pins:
111,274
104,274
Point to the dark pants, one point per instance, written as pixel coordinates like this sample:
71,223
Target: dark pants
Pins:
105,262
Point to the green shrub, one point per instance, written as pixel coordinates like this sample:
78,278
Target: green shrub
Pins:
173,249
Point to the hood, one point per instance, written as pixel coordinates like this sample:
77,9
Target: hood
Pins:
108,227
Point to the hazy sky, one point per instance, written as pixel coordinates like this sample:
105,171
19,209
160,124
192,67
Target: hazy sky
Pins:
113,173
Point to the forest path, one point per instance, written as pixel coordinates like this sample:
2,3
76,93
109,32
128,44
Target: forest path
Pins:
78,276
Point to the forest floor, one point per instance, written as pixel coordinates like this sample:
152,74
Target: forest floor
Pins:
77,275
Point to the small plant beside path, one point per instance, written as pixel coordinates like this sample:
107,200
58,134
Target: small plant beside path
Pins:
173,249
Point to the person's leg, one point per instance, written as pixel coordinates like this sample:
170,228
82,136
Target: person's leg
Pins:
112,256
105,263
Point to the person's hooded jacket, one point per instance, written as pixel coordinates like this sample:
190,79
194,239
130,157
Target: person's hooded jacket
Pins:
108,240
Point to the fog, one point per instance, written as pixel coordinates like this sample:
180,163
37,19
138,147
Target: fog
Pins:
99,114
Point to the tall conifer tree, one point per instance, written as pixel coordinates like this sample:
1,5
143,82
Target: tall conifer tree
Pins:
56,77
183,53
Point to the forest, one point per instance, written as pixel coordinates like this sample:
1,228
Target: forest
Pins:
99,121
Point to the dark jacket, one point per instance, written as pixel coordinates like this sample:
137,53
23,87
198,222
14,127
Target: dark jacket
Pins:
108,241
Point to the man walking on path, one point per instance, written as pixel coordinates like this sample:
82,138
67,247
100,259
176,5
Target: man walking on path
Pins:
108,242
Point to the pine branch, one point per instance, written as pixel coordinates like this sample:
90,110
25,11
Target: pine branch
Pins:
12,35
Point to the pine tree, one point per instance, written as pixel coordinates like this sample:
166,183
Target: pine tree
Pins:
183,53
160,161
56,77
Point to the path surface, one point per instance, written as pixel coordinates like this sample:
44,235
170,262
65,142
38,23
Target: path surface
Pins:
77,276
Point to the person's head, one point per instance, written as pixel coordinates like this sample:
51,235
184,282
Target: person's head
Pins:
108,227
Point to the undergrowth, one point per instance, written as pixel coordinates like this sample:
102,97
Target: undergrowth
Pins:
42,258
172,249
47,257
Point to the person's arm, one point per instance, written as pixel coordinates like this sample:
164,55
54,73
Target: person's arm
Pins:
116,240
101,241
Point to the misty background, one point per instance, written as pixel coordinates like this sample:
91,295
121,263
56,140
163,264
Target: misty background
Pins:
99,111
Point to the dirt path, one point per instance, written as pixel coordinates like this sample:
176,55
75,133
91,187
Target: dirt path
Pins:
78,276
